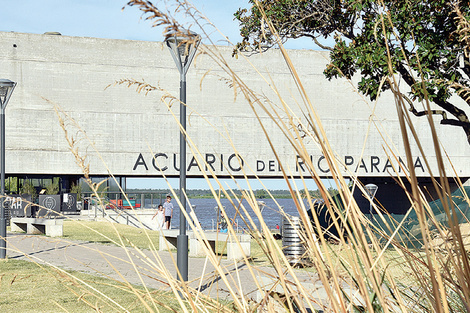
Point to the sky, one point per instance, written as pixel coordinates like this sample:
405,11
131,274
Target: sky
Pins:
106,19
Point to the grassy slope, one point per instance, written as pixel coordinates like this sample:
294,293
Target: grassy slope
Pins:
29,287
109,233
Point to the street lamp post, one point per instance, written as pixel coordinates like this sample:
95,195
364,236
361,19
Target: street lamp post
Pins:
183,46
6,89
371,190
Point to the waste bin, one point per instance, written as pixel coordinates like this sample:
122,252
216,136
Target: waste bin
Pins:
292,244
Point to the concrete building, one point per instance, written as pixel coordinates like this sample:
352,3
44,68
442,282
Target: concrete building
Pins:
70,81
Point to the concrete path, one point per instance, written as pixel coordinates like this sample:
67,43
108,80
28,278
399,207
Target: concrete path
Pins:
128,265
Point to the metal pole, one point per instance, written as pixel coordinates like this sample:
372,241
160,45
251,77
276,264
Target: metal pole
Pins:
182,239
371,190
3,220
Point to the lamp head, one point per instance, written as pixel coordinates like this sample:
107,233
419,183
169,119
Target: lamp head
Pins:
371,189
183,45
6,89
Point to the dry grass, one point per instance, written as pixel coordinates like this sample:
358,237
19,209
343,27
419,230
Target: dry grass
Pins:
367,271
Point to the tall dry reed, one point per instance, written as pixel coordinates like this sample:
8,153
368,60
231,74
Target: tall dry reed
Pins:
370,267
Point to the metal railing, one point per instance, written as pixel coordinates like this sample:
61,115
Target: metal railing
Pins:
130,219
139,197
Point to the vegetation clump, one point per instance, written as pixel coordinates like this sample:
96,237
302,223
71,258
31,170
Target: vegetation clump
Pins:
424,43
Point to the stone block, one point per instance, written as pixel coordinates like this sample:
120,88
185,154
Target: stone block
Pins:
167,240
38,226
18,226
237,250
196,247
35,229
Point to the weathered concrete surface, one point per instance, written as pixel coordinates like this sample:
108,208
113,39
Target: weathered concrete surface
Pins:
128,128
236,249
35,226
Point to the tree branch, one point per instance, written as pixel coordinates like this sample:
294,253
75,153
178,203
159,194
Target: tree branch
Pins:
465,125
315,40
417,113
455,123
432,112
447,106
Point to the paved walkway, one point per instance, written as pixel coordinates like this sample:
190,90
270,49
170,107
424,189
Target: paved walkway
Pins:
129,265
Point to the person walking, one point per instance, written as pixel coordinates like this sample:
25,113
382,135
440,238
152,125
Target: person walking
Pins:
168,207
223,223
160,214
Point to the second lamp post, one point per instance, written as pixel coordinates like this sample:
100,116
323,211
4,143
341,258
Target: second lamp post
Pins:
6,89
183,46
371,190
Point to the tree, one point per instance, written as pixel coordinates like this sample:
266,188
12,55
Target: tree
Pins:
261,194
428,42
28,188
76,188
11,184
53,187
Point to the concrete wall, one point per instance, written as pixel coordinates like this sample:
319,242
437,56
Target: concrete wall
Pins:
125,129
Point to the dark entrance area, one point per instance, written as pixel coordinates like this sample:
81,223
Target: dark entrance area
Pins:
393,197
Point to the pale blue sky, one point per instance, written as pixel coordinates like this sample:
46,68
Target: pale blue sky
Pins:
105,19
100,18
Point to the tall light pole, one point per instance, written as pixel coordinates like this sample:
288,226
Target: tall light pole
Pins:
6,89
183,46
371,190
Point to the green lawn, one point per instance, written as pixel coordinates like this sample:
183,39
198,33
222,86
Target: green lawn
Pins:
107,233
110,233
29,287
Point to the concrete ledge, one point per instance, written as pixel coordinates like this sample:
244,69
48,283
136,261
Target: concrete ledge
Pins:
167,239
37,226
237,246
314,289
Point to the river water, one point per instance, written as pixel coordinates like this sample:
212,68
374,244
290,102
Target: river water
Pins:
206,212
